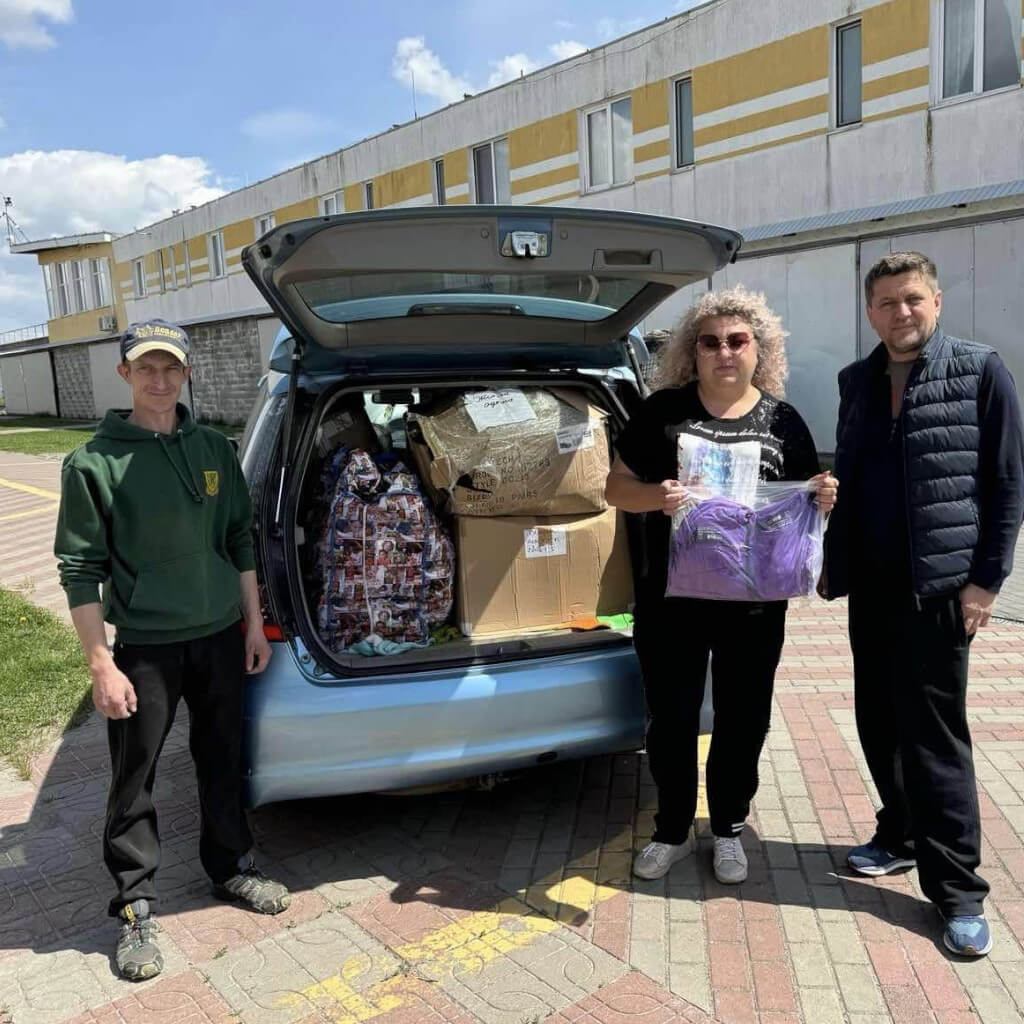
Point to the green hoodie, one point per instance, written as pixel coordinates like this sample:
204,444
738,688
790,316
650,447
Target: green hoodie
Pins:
162,522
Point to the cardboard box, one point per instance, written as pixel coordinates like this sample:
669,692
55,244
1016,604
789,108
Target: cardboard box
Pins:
527,572
513,451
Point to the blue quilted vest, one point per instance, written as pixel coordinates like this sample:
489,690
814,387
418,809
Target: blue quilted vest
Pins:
940,452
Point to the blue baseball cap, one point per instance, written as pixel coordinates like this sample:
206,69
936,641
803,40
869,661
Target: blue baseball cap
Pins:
154,336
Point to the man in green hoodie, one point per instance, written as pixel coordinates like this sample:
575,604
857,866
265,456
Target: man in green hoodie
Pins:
154,535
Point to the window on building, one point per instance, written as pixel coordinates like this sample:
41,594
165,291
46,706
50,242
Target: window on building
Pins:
980,46
329,205
162,261
848,74
264,224
491,179
684,122
215,254
139,278
367,195
99,275
53,299
439,193
610,144
79,302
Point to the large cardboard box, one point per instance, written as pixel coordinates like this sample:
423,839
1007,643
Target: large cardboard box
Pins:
527,572
513,451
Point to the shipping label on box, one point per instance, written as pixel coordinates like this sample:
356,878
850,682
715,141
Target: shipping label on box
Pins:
515,451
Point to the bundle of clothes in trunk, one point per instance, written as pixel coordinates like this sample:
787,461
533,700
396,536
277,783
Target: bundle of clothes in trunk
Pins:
387,564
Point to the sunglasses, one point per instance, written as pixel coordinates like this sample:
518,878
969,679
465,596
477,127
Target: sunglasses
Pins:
735,342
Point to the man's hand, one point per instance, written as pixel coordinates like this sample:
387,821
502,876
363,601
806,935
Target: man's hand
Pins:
977,605
112,692
673,496
257,650
826,487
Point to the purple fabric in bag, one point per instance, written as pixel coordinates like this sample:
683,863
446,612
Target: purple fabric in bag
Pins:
730,552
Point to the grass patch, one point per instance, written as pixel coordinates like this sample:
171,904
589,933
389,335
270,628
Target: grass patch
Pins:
44,442
227,429
48,422
44,682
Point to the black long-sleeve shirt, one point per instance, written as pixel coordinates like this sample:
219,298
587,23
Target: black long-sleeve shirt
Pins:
1000,475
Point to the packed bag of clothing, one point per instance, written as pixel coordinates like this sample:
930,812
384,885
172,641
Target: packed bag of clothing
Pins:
387,564
737,539
512,452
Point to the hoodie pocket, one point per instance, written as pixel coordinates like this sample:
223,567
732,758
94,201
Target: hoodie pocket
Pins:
184,592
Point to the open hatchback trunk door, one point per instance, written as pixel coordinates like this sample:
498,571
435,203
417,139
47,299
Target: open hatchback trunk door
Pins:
557,286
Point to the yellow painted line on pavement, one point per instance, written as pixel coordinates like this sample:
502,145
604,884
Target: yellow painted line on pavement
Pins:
39,492
468,944
35,511
703,748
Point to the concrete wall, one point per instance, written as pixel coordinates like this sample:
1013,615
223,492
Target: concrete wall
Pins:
818,293
226,368
28,384
12,385
74,381
228,359
108,389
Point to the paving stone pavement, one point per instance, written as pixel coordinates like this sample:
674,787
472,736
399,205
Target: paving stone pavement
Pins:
1011,597
516,905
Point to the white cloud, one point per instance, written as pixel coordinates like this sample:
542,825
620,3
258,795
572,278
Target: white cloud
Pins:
285,125
417,67
613,28
414,65
65,192
510,67
21,22
566,48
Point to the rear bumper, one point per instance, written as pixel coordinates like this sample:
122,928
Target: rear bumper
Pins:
307,740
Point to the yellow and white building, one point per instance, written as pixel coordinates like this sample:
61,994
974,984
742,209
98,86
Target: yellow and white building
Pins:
828,132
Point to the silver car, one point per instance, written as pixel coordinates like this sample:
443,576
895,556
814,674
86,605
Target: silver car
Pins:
381,309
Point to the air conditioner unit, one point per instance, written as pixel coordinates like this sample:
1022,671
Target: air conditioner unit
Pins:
108,323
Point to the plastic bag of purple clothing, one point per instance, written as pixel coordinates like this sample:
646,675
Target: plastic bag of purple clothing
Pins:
737,539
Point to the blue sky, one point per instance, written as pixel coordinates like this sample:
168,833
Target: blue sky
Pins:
115,112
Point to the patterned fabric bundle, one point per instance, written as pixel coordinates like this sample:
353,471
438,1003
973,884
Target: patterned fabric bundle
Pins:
387,565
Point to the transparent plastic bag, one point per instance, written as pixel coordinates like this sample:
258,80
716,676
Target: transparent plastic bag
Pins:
747,542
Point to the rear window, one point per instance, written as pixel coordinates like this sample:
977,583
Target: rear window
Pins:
425,293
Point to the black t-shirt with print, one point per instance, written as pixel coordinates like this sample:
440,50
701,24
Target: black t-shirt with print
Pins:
649,447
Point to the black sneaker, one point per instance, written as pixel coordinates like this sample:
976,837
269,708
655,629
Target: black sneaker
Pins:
253,889
138,957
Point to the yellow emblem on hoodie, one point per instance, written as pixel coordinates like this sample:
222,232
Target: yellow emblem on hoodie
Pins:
212,478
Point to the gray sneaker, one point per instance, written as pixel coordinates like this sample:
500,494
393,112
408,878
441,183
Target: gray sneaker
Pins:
655,859
255,891
730,862
137,956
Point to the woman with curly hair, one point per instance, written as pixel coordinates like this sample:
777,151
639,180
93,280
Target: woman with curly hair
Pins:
720,381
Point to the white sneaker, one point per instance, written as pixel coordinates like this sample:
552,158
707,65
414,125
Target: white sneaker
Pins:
730,860
655,859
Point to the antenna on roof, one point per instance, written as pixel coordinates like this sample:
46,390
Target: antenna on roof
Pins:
412,75
12,225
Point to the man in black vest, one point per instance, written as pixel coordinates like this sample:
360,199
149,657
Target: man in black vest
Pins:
930,453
